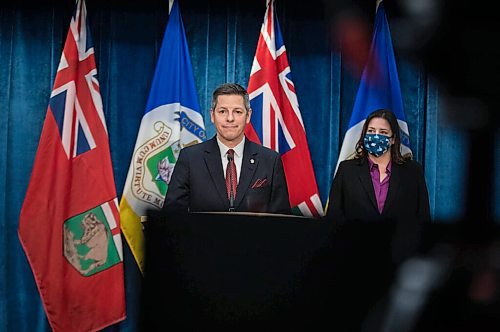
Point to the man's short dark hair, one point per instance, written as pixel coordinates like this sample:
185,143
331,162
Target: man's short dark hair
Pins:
230,89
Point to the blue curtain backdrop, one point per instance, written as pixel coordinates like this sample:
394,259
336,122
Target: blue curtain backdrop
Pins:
222,37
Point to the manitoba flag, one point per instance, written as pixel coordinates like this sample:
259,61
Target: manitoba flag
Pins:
69,224
276,120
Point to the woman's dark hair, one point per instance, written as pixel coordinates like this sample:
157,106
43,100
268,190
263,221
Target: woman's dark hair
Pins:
388,115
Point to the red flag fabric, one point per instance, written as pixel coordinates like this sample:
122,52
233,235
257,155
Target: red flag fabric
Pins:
69,224
276,119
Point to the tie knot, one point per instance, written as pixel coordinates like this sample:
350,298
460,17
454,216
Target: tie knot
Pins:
230,153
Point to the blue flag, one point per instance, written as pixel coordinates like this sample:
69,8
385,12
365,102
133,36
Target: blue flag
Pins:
378,88
171,121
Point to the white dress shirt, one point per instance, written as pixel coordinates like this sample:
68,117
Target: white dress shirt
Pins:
238,156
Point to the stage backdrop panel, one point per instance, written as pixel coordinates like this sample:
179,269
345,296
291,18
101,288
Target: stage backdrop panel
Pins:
222,37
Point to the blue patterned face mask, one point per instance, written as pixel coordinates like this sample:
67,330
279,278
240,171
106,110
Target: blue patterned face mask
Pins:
377,144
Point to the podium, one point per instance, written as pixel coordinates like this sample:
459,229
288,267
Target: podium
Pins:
245,271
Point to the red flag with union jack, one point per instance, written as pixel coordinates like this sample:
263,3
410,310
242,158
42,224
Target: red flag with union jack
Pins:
69,223
276,120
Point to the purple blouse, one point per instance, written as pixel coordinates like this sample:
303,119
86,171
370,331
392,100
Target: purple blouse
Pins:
381,188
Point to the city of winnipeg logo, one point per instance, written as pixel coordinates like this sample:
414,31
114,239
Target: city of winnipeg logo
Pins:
153,164
89,245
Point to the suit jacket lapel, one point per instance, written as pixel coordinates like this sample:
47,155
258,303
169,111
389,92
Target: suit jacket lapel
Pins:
247,171
394,183
366,182
214,165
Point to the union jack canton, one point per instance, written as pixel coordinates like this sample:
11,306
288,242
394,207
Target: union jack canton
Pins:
71,106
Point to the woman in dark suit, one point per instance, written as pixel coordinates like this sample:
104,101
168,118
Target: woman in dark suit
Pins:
377,207
379,184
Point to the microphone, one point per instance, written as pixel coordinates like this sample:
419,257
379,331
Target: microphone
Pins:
231,193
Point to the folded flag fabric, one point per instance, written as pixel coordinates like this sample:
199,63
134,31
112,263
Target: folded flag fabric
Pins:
69,225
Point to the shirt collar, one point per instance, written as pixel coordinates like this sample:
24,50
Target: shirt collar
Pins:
372,165
238,149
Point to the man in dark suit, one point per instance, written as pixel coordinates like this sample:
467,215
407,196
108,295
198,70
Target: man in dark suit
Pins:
228,172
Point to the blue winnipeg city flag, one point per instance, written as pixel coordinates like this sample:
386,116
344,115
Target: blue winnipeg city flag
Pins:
378,88
173,80
171,121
